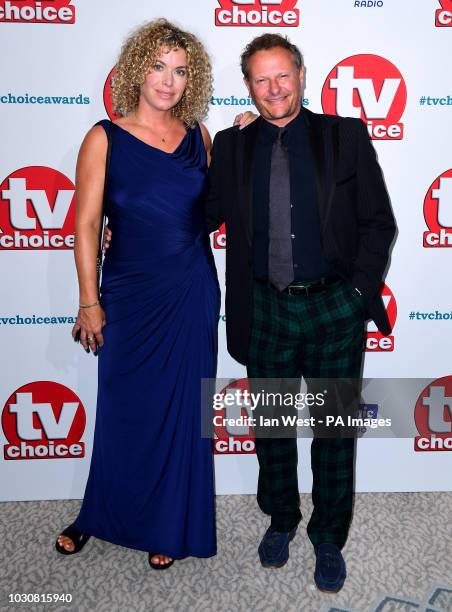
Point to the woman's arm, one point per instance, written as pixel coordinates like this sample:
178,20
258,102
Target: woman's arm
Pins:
89,183
207,141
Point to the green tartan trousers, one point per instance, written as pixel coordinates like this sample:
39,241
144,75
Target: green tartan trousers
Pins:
312,336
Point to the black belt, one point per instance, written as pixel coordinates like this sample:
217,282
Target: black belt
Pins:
304,288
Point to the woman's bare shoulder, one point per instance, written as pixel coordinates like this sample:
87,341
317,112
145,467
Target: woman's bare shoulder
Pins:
95,141
206,137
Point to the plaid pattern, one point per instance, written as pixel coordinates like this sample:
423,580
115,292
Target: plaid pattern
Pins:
318,336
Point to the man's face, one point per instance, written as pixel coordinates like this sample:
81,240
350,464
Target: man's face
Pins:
275,85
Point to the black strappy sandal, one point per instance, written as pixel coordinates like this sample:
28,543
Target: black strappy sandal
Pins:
159,566
79,539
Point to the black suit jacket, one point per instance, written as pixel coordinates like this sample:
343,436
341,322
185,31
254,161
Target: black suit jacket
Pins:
357,223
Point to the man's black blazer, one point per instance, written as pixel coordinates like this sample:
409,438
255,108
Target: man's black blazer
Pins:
357,223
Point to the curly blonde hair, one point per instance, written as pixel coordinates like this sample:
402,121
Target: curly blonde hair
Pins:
137,57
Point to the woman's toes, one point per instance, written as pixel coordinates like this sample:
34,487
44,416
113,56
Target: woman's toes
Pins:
161,559
67,543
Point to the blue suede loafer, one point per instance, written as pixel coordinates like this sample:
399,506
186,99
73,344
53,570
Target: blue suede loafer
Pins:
274,547
330,571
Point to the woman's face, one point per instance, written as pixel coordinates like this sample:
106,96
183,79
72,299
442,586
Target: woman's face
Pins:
166,81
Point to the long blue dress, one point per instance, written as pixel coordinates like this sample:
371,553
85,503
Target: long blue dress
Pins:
150,485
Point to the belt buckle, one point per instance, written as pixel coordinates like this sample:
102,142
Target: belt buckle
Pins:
304,287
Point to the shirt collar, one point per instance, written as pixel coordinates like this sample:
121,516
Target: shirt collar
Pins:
269,132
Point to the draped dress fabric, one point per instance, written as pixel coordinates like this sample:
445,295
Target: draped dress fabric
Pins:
150,485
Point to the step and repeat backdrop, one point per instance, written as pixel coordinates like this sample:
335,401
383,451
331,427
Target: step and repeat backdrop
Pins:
385,61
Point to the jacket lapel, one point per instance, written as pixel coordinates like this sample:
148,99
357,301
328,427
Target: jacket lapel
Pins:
245,172
324,150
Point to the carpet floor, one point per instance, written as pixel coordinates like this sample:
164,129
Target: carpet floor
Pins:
398,555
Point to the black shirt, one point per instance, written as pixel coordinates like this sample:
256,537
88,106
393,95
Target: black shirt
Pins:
308,259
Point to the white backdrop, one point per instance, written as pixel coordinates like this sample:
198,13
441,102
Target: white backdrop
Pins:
386,61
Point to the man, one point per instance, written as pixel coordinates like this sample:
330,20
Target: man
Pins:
309,227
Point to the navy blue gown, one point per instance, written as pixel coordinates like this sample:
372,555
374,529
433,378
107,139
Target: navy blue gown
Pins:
150,485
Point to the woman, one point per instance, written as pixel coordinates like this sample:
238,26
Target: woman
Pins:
150,485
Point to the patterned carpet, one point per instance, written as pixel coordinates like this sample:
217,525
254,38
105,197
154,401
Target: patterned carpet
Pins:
399,558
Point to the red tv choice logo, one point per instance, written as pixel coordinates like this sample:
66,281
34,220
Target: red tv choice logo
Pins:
368,87
443,15
375,341
108,100
219,238
433,416
257,13
43,420
31,11
233,440
37,210
438,212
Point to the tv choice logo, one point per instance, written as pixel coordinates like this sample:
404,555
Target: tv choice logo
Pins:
107,94
257,13
369,87
219,237
375,341
37,210
33,11
43,420
438,212
443,15
233,440
433,416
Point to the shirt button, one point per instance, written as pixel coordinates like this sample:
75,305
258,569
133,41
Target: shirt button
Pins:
291,206
292,236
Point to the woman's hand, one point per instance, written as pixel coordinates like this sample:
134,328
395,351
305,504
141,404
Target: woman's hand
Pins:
244,119
89,324
106,238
